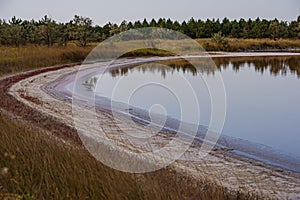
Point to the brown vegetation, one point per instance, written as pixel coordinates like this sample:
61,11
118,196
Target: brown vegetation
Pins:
234,44
28,57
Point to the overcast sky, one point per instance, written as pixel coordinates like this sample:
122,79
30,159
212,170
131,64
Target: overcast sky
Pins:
103,11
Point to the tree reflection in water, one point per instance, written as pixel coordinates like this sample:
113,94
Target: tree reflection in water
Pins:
276,65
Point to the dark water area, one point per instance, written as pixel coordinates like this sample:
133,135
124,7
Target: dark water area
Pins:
263,101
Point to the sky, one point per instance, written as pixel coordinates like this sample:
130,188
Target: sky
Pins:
114,11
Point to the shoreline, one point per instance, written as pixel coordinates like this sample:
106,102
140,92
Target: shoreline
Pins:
238,147
39,80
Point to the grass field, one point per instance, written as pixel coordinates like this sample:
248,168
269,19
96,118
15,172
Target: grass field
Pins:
38,166
29,57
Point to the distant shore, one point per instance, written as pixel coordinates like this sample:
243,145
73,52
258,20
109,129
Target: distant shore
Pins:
14,59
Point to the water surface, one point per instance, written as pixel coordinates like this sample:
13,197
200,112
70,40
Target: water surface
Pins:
263,101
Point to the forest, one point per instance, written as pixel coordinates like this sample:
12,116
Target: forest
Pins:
82,30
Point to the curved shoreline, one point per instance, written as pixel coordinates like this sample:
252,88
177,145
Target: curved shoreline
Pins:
239,148
34,96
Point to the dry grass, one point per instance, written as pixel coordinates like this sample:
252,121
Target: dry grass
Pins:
29,57
250,44
42,167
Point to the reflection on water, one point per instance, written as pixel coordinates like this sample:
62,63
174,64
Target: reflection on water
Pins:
275,65
262,97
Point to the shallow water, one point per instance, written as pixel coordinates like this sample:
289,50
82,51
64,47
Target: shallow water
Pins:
263,108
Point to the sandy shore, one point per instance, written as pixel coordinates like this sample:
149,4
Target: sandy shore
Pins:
236,175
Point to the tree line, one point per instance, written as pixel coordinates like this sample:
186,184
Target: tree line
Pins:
81,30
